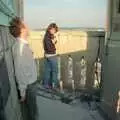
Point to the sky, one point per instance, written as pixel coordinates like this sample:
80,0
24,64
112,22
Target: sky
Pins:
66,13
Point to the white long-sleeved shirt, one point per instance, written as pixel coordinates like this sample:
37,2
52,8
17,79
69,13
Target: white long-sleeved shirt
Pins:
25,67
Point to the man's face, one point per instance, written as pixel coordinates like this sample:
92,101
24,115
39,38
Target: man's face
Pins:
25,31
52,31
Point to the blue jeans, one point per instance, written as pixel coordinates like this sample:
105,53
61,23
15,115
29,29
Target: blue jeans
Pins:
51,71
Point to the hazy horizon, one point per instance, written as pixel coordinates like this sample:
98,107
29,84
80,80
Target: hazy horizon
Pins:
73,28
66,13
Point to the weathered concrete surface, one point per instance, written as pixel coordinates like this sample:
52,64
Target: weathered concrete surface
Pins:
12,107
111,67
56,110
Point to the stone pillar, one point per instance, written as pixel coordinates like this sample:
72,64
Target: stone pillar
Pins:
20,8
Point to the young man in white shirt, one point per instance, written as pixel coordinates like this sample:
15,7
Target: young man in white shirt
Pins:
25,67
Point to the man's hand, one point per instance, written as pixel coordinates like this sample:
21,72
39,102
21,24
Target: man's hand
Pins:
54,41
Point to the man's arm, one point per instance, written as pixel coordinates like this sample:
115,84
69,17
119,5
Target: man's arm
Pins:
25,71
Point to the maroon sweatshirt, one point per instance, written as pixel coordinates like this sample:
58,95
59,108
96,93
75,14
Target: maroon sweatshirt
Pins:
49,46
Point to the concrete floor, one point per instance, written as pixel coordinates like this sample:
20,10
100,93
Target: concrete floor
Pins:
50,107
56,110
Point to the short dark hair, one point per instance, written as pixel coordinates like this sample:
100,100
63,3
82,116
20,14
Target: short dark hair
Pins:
52,25
15,27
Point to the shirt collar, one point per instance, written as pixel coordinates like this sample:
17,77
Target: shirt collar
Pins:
22,40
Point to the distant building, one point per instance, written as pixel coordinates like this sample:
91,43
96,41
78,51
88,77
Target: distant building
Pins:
111,63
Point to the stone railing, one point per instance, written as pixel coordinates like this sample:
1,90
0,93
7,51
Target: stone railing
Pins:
74,43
